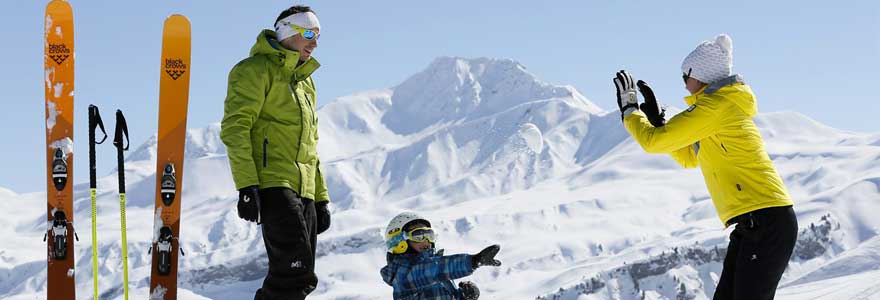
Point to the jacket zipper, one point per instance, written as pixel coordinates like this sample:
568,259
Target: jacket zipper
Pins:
299,138
314,113
265,149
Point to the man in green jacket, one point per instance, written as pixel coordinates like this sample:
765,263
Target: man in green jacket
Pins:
270,131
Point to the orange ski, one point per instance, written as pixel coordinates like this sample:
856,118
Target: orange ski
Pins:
173,97
58,81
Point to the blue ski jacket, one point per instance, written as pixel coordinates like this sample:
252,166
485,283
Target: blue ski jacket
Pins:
426,275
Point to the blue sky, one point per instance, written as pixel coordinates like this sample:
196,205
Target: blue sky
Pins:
820,59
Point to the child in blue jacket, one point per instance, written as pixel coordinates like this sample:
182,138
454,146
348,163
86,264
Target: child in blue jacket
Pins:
417,272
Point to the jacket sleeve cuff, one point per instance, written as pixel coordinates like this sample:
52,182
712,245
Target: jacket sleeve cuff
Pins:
242,183
632,122
323,196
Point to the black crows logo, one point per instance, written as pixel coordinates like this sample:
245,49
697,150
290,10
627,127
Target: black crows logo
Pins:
175,67
58,53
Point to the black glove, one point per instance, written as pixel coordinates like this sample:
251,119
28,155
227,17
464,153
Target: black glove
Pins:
486,257
627,101
656,115
323,216
249,203
469,290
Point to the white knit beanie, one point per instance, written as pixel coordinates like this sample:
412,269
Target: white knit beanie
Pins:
307,20
711,61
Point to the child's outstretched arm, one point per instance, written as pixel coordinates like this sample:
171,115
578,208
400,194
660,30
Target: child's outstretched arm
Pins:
442,268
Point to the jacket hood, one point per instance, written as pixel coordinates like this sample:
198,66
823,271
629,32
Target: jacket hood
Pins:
732,88
267,44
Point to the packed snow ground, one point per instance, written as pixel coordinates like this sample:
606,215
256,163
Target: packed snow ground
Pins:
490,154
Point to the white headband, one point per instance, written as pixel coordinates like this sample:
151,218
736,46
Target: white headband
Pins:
306,20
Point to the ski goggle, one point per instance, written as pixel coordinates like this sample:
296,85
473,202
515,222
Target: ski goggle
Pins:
306,33
423,234
687,75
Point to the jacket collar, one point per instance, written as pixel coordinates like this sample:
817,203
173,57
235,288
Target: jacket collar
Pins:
714,87
412,257
731,89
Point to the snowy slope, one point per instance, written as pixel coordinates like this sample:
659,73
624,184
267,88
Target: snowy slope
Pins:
852,275
491,154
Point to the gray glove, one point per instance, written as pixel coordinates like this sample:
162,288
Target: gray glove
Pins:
626,93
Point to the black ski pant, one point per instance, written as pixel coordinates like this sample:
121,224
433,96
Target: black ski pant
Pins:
759,250
290,233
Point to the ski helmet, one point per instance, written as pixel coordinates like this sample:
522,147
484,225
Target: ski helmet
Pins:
395,239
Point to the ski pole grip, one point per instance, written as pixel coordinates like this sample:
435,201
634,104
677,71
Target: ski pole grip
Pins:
96,122
121,131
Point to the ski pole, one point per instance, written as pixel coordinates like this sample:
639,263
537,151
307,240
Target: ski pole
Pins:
94,121
122,132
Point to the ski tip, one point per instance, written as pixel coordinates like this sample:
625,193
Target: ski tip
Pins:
58,7
177,24
58,12
58,3
177,18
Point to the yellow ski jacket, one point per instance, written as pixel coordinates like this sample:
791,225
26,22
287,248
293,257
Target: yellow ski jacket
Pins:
717,133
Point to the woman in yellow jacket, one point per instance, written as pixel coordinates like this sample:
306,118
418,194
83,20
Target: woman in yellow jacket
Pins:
717,133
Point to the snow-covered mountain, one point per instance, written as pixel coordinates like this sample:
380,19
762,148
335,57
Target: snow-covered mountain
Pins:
491,154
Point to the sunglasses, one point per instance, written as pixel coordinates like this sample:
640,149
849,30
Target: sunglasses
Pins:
423,234
686,76
306,33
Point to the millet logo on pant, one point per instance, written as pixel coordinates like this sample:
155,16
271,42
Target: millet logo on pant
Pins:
296,265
